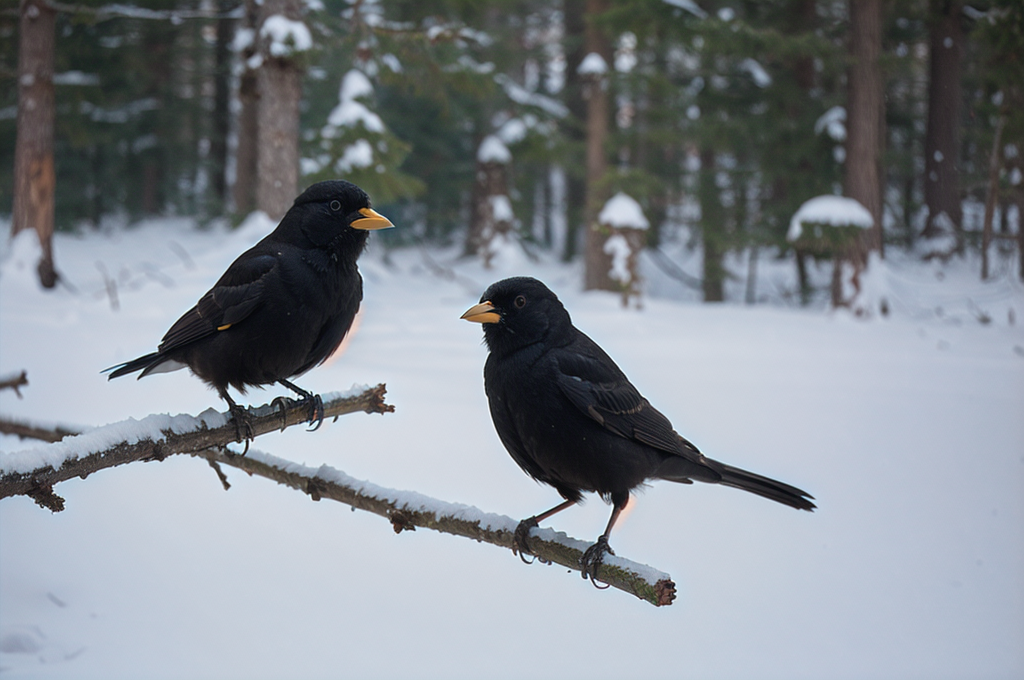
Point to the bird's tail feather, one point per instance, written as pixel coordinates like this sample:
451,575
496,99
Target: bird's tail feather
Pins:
144,363
764,486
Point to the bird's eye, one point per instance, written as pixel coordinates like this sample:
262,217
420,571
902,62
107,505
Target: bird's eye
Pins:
335,206
520,302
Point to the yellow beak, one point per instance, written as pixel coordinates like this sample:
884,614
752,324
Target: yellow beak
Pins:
370,220
482,313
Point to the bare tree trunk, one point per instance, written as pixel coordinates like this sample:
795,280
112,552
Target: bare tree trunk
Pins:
865,118
244,190
597,261
277,153
575,184
491,214
221,106
993,195
712,229
35,179
942,139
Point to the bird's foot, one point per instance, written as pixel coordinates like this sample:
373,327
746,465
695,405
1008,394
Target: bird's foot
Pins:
316,411
592,558
312,401
243,425
520,537
281,403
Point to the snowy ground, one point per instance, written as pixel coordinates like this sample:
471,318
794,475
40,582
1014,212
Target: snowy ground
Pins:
908,431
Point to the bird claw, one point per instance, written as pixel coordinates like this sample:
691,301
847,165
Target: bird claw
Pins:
593,558
281,403
242,421
316,412
520,537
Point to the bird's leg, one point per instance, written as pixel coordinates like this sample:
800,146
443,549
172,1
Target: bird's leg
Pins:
522,533
594,555
313,401
241,418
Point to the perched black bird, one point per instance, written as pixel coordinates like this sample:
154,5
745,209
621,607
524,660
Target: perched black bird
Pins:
570,418
281,308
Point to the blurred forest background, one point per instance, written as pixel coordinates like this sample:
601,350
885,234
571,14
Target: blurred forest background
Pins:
478,124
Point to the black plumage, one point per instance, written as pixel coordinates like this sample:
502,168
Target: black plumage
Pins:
571,419
282,307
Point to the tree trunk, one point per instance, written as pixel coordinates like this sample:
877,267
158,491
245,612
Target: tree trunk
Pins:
572,125
712,229
277,119
865,116
597,261
34,177
942,139
992,197
221,106
491,215
244,190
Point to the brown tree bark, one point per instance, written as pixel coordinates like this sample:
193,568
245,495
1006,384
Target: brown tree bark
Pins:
279,81
491,184
35,179
942,138
574,32
992,196
595,90
865,119
243,191
712,227
221,105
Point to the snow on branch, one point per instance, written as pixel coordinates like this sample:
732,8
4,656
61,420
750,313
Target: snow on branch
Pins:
34,472
122,11
407,510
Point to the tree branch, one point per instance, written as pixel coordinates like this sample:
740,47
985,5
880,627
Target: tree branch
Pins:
123,11
25,430
407,510
14,381
33,473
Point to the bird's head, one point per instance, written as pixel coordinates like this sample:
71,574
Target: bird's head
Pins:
335,214
518,312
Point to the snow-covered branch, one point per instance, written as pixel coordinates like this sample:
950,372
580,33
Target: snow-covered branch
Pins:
33,473
123,11
407,510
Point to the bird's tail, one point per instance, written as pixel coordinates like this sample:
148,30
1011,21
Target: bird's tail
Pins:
764,486
150,363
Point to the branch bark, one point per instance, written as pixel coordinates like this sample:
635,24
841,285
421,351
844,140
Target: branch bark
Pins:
14,381
408,510
157,437
24,430
206,437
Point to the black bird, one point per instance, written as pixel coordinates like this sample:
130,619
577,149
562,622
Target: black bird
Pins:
571,419
281,308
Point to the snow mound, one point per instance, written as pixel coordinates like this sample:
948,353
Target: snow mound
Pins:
623,212
493,150
836,211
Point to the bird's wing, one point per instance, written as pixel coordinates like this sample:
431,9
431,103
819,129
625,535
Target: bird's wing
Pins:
234,297
594,384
